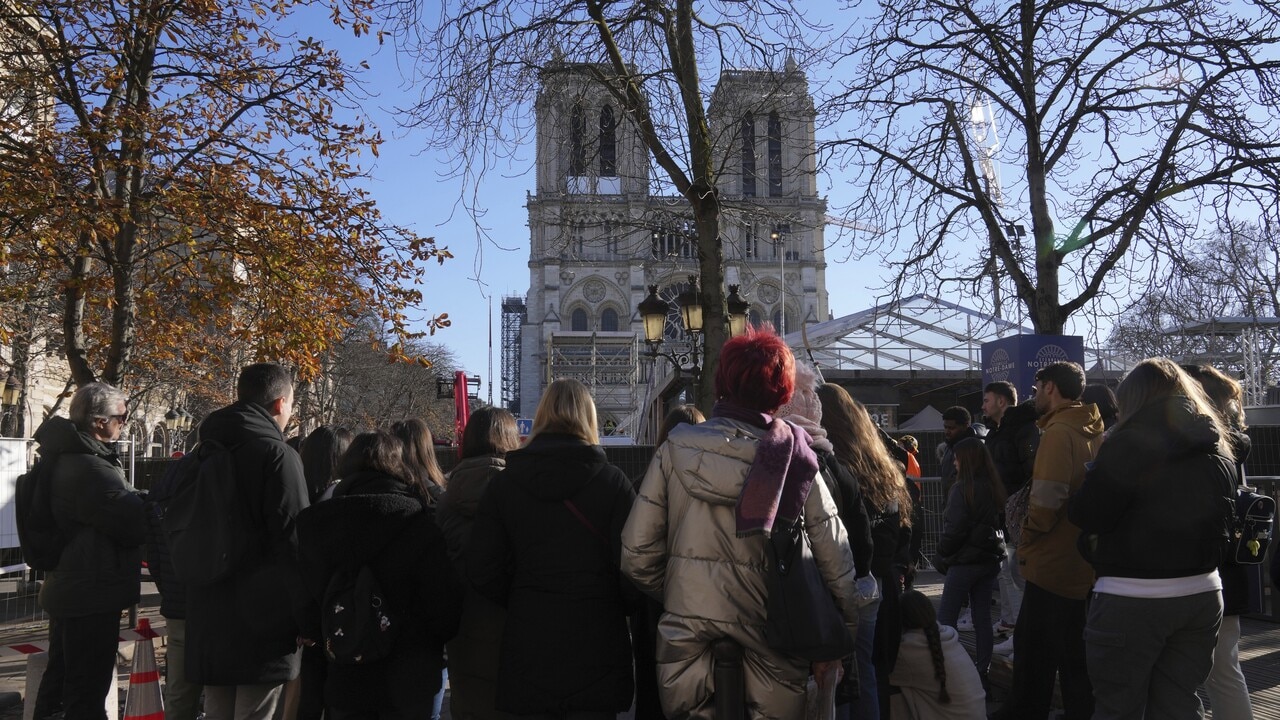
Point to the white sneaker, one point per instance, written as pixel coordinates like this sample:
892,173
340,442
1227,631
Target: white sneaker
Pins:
1005,648
965,622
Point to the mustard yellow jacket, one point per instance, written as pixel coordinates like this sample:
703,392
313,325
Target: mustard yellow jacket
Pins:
1047,554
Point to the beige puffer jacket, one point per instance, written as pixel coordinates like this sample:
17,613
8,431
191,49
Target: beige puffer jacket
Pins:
680,546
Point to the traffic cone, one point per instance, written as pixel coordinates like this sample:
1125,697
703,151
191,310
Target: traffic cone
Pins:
143,701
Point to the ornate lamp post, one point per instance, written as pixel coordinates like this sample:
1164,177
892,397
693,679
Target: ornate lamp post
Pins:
9,403
654,311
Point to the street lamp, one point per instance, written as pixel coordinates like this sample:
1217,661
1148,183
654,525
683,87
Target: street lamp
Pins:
9,402
779,237
653,313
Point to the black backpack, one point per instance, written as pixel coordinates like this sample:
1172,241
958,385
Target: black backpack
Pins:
39,536
1251,530
359,626
205,518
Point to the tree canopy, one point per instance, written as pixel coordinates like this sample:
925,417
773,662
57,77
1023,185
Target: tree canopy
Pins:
1108,134
182,181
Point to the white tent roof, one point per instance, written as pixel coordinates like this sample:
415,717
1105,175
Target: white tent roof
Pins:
920,333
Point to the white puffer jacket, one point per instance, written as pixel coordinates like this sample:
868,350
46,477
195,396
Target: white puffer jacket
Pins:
680,546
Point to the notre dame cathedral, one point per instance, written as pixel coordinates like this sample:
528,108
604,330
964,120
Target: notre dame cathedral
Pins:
602,231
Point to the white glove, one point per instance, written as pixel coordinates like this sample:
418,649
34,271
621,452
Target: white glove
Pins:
867,590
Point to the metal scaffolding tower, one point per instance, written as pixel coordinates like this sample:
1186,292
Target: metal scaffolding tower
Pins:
514,314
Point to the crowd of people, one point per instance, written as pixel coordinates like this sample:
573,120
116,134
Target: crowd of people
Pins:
538,581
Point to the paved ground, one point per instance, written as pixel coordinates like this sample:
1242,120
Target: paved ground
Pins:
1259,653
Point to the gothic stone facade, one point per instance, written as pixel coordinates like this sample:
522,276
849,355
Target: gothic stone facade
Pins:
600,233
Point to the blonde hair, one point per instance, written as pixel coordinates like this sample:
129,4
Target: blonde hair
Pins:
1224,392
1157,378
567,408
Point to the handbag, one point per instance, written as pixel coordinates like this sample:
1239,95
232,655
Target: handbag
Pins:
1015,512
803,619
988,538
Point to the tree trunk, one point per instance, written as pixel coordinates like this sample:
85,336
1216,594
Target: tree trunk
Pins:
74,341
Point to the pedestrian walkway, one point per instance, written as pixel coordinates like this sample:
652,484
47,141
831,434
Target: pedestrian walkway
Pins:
1259,658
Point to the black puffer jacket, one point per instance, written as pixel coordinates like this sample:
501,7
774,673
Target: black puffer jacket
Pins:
1157,502
565,646
1013,445
957,544
101,516
375,520
243,630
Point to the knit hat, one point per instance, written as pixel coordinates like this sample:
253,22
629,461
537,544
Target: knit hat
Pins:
805,409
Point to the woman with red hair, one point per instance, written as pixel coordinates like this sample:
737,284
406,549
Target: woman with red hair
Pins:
696,537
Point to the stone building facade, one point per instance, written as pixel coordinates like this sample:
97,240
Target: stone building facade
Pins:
604,226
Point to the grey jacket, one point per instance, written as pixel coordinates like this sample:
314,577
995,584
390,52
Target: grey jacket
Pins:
680,546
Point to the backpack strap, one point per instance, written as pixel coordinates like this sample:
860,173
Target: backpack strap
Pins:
585,522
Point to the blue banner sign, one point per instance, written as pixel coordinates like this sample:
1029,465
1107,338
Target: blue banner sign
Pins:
1017,358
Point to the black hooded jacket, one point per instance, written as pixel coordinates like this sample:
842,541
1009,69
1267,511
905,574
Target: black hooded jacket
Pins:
1159,496
242,630
375,520
565,646
1013,445
101,516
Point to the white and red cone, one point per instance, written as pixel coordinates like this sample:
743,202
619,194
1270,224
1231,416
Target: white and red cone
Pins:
144,701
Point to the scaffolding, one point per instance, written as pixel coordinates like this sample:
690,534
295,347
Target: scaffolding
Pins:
608,364
514,314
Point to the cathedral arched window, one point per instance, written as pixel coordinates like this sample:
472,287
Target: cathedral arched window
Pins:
609,320
577,142
608,143
775,155
578,320
749,156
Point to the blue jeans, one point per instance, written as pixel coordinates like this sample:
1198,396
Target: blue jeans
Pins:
975,583
867,706
437,703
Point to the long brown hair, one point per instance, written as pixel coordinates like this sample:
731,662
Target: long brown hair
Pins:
917,613
419,451
378,451
857,444
976,465
1224,392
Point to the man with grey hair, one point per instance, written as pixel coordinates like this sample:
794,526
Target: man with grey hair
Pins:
103,525
241,633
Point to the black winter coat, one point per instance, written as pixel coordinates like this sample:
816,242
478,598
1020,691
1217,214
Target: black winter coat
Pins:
957,545
565,646
101,516
1013,445
1157,502
853,512
173,592
243,630
375,520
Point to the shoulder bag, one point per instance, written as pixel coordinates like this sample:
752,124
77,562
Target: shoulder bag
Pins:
803,620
